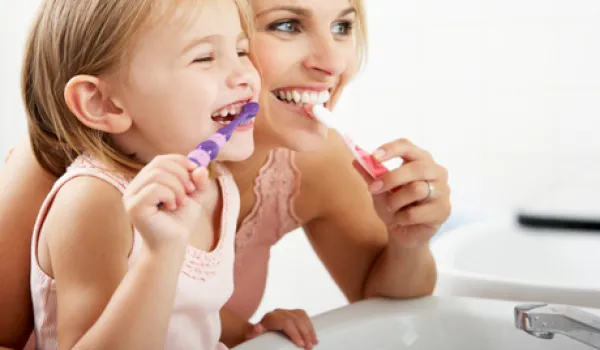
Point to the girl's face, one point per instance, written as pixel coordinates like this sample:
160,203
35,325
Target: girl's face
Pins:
187,77
305,51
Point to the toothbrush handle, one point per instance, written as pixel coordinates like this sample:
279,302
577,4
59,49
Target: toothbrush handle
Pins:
371,165
208,150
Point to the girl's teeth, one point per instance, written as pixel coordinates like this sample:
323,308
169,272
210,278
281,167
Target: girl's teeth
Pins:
228,111
288,96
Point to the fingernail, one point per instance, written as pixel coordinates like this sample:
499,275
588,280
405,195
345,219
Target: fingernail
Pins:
378,154
191,164
376,186
190,187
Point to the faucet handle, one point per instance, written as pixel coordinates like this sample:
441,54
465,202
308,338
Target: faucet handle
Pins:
521,313
544,321
524,322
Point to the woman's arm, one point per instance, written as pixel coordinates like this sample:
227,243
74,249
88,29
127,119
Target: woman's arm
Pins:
362,253
23,187
235,330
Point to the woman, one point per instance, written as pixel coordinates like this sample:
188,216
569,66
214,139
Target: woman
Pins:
373,241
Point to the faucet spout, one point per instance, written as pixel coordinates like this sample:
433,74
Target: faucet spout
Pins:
544,321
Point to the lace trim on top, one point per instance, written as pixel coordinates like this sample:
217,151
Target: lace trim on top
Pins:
275,191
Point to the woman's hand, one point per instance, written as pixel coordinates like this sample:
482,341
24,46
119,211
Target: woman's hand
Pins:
414,199
295,324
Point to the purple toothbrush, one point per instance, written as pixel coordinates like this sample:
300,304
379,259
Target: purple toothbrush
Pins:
208,150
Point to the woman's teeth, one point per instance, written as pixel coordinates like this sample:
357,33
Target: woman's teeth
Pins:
303,97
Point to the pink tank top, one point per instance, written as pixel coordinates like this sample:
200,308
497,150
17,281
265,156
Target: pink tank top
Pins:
275,190
205,282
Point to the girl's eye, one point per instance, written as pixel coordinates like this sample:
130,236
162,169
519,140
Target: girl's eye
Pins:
204,59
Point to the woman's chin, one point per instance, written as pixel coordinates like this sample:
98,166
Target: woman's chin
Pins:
290,126
306,139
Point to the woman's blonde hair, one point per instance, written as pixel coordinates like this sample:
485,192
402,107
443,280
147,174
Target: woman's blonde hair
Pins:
73,37
361,31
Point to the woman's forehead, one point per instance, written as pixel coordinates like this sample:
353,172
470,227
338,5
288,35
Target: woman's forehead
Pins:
311,5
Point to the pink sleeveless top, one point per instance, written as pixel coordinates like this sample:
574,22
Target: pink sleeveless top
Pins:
205,282
275,190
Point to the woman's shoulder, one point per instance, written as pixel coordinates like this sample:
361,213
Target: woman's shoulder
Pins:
329,177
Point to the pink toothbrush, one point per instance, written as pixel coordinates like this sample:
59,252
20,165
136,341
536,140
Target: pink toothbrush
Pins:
364,158
208,150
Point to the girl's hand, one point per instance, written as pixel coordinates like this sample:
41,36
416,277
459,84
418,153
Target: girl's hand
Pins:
162,200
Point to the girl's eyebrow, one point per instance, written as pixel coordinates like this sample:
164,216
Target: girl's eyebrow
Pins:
211,39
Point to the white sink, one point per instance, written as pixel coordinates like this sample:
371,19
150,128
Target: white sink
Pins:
502,260
421,324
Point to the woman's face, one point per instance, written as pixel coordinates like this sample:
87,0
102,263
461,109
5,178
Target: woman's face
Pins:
305,51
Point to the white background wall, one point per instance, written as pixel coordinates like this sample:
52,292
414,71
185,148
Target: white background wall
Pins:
504,93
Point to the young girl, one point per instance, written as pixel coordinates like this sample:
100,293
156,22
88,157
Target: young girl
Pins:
133,247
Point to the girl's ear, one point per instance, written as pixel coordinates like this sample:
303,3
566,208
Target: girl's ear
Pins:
88,99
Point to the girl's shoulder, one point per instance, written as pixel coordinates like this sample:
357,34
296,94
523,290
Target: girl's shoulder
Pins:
86,215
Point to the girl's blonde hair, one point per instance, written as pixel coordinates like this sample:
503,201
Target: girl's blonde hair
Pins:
92,37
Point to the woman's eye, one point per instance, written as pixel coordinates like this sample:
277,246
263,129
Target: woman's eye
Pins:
287,26
342,28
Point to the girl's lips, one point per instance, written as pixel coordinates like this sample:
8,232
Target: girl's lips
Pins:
245,127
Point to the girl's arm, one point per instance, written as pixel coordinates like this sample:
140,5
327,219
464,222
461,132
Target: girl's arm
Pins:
102,305
23,187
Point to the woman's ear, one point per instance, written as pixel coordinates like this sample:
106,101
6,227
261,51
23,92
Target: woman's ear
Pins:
89,100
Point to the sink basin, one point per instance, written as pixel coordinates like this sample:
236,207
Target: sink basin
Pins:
421,324
502,260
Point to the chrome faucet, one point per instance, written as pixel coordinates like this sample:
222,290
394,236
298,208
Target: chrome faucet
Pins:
544,321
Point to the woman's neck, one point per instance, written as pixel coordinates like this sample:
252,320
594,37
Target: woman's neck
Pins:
265,141
246,171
